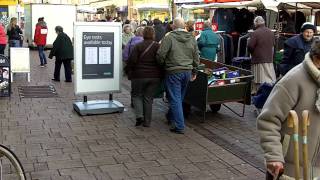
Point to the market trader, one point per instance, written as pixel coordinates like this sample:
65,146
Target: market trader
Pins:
296,48
261,45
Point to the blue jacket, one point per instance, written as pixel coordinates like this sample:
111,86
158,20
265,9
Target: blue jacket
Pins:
208,44
295,49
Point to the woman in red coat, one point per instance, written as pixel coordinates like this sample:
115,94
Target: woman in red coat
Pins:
3,39
40,39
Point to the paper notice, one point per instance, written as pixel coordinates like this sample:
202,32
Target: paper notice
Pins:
104,55
91,55
44,31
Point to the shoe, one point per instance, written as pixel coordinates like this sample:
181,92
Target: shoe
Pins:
139,121
57,80
67,81
42,66
177,131
145,125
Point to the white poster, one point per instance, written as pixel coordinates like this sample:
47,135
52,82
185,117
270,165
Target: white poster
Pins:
98,61
20,60
91,55
104,55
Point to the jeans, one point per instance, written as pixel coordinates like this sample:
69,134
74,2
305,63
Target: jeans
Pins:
176,85
42,55
14,43
143,91
67,69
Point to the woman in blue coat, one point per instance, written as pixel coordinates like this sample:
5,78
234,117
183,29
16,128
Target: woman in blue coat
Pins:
208,42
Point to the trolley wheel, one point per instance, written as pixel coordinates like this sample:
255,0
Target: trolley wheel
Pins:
215,107
6,152
186,109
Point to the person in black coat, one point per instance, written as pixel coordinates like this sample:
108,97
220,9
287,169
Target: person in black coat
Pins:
63,51
295,48
159,30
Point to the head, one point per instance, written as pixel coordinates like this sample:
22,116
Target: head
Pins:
40,19
58,29
108,18
127,21
258,21
178,23
315,51
189,26
139,31
127,29
148,33
13,21
308,30
156,22
144,23
207,24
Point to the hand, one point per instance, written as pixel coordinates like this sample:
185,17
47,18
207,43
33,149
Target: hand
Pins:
275,168
193,77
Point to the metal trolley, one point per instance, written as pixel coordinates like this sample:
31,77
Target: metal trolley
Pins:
199,94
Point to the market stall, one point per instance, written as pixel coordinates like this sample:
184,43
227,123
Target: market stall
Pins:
217,84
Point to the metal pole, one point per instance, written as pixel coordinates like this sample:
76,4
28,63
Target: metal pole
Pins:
295,16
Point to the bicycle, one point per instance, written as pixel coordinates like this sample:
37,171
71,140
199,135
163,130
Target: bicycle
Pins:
13,159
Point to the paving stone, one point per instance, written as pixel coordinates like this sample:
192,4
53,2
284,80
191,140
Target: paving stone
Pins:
98,161
53,142
152,171
65,164
141,164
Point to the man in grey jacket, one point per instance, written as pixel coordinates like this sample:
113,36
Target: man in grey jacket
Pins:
179,54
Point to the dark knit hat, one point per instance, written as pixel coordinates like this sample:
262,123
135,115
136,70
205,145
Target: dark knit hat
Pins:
308,25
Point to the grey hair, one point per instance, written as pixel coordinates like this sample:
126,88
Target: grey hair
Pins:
178,23
139,31
127,26
258,20
59,29
207,24
315,48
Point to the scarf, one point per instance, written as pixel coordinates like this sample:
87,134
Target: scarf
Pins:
314,72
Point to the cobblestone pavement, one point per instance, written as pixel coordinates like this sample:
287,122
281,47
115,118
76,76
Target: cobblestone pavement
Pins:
54,143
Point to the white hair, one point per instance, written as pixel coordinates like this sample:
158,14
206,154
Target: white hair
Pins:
178,23
258,20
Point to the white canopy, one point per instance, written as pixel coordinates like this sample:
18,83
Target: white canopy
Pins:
152,6
291,4
268,4
253,3
86,9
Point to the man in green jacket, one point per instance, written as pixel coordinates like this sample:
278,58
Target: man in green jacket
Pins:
179,54
208,42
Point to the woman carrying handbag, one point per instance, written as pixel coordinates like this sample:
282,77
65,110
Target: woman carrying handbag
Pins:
145,75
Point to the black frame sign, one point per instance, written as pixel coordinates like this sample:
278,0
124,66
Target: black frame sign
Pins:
97,55
5,79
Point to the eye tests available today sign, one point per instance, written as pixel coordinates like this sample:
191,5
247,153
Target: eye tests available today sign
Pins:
97,55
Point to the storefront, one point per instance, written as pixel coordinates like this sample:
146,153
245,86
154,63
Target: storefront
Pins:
153,11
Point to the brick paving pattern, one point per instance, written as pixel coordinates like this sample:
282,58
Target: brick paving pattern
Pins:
54,143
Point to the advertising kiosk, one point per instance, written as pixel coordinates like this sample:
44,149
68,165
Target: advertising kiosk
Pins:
98,64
